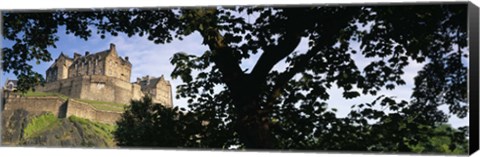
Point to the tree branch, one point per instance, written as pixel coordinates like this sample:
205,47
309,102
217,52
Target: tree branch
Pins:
273,54
286,44
222,55
282,80
327,40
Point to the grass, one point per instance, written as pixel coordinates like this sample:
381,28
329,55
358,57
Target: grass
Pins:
103,130
39,124
107,106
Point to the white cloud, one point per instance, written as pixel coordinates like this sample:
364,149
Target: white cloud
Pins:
152,59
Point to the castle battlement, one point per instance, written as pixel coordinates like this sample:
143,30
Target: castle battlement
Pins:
103,76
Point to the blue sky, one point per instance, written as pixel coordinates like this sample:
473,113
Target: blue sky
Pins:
152,59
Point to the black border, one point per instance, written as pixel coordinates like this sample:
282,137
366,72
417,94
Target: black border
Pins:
473,77
473,35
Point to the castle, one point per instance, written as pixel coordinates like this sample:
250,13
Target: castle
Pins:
103,76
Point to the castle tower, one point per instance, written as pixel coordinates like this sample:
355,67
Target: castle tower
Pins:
116,66
59,69
158,88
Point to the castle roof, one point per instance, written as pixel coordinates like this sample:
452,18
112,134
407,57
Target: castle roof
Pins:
151,82
60,56
101,54
11,81
63,55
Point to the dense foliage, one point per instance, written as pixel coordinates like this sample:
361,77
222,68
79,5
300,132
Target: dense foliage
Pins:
265,108
444,139
145,124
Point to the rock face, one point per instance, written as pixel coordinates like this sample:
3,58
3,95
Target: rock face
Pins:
67,132
13,123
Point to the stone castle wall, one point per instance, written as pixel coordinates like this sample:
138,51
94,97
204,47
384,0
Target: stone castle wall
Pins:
87,66
117,67
137,93
95,87
104,88
164,94
84,110
61,108
37,105
70,87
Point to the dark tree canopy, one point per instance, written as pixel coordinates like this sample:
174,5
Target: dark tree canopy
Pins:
265,108
145,124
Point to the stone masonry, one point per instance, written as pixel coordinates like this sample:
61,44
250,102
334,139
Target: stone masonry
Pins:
103,76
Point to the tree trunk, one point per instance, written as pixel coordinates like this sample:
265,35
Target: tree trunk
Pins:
253,124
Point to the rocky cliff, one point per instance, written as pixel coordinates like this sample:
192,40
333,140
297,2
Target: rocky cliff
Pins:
21,128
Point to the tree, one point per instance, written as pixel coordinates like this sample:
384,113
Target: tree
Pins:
266,108
146,124
445,140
